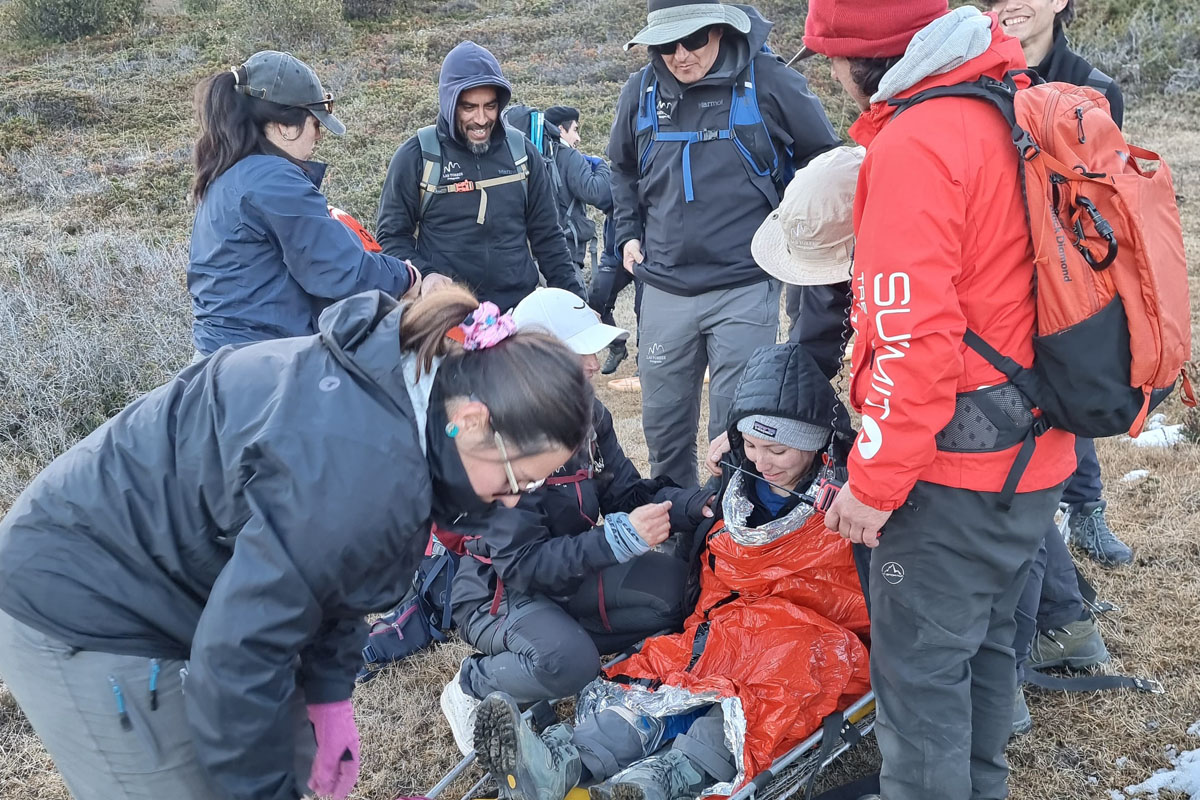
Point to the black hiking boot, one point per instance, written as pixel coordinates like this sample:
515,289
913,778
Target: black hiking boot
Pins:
667,776
525,766
617,352
1089,532
1078,646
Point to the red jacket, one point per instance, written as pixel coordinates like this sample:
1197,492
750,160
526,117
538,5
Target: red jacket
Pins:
942,244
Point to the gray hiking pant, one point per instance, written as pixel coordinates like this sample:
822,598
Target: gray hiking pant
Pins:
608,743
1051,598
944,585
679,337
68,697
536,648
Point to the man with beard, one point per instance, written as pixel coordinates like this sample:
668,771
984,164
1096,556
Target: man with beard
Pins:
469,199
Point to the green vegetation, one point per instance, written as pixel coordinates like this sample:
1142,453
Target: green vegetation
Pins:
65,20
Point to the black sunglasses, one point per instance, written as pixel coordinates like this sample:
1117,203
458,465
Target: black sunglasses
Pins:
326,104
692,42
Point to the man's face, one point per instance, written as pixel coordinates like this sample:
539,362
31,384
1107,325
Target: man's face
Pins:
477,112
1027,19
570,133
690,65
839,68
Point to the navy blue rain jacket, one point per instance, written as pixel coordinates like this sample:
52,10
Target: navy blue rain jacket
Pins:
266,258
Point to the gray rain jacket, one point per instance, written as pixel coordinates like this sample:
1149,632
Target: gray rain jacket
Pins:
704,245
245,515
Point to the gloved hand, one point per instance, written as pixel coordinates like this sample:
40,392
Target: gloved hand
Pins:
595,161
335,766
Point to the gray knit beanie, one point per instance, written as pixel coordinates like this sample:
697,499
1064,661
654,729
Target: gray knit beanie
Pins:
784,431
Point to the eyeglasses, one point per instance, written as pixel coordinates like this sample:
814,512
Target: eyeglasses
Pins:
516,488
326,104
692,42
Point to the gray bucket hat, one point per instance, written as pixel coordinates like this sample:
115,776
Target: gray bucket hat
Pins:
284,79
670,20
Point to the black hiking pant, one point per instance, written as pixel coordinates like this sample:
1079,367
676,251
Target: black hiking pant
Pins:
608,281
538,648
1051,598
944,585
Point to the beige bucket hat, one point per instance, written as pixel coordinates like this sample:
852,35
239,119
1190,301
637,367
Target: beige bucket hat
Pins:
809,239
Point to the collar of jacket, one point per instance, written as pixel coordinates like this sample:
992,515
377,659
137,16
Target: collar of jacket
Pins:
1004,54
314,171
453,495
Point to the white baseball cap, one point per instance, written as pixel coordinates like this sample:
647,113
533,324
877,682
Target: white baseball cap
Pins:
568,317
809,239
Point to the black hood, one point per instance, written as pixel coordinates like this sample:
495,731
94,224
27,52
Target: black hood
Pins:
521,117
469,66
783,380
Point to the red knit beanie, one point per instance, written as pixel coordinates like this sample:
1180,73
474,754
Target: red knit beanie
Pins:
867,28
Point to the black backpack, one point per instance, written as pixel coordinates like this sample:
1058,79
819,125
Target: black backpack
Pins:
422,617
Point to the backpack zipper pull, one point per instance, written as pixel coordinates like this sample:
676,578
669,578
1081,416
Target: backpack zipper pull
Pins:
1079,117
154,670
122,712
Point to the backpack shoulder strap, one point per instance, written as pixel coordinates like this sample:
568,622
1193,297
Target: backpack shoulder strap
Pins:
1098,81
431,152
646,127
516,148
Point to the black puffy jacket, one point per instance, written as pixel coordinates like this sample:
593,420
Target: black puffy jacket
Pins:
551,541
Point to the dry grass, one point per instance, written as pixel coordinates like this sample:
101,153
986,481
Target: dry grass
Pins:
92,311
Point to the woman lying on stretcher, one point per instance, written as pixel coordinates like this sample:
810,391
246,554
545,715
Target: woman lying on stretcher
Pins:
775,642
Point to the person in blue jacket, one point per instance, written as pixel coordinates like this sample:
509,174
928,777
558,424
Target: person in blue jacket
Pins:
266,257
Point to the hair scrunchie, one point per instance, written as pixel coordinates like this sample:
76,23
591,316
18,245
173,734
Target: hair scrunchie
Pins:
483,328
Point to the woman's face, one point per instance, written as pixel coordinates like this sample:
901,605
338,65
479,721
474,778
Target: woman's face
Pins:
298,141
497,471
778,464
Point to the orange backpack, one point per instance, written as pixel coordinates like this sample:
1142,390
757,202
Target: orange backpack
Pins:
368,241
1113,313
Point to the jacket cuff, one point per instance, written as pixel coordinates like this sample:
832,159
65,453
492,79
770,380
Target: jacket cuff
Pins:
877,503
325,690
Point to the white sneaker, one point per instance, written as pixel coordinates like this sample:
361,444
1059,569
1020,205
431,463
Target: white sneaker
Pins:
460,708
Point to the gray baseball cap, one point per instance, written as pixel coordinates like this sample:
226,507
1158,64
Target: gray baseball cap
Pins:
284,79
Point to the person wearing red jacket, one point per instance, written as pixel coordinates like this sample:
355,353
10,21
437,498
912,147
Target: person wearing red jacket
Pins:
943,247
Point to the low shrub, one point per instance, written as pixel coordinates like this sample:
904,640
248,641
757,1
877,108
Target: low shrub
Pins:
369,9
312,25
66,20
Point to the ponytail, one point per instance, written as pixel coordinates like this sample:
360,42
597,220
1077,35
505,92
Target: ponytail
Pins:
232,126
532,384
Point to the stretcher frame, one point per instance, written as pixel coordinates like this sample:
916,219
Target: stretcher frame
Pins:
788,773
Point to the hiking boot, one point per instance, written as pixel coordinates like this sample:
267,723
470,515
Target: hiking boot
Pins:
1078,645
667,776
1089,532
617,352
460,709
1022,722
525,766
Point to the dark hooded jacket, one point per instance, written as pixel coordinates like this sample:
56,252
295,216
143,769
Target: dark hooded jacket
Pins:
1065,65
579,182
704,245
494,258
246,516
551,541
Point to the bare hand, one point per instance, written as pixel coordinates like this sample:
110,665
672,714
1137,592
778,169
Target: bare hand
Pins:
707,511
652,522
414,291
854,519
632,254
716,450
433,282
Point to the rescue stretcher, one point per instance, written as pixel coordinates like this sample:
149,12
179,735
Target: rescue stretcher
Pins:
793,771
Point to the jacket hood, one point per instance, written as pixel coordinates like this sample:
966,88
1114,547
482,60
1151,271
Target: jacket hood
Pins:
736,51
468,66
783,380
1002,54
363,333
